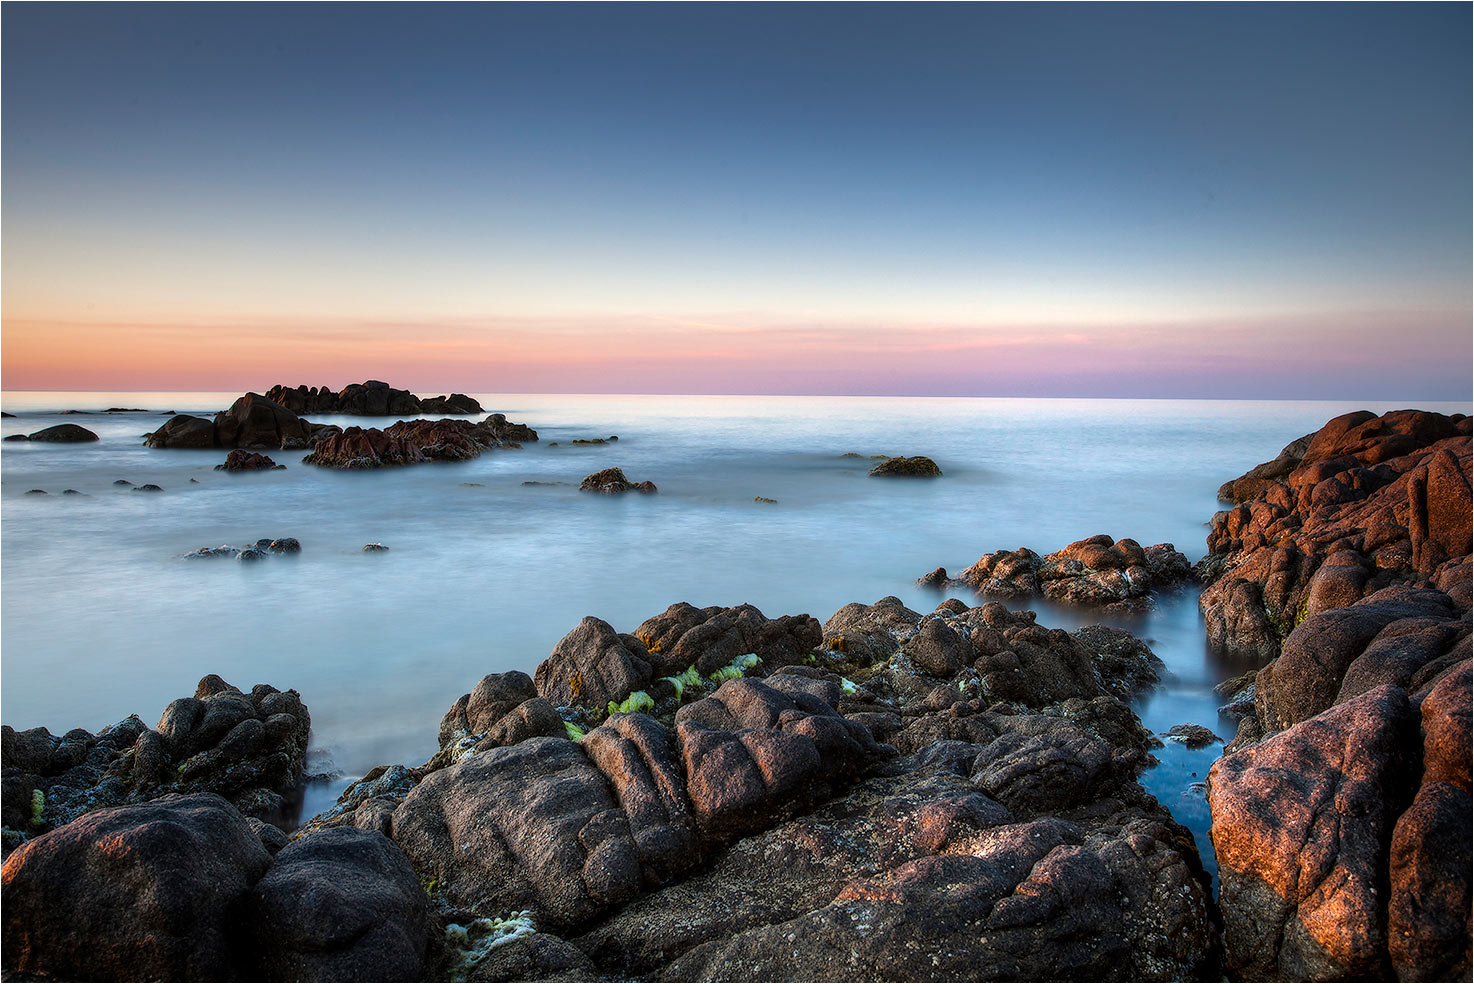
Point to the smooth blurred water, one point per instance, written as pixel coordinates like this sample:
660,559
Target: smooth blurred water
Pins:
99,616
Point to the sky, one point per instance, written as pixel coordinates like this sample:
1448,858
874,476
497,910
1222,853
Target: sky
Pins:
1159,200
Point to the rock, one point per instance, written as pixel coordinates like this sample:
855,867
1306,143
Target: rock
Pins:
532,826
37,492
342,905
375,548
753,754
454,403
499,430
1192,735
937,649
183,431
915,467
1124,665
534,957
611,481
591,666
17,437
871,632
1447,724
358,448
150,487
64,434
1309,674
146,892
253,421
1370,502
1428,924
713,638
239,460
1095,571
1302,824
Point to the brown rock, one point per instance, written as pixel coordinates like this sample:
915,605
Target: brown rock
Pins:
1302,824
1428,923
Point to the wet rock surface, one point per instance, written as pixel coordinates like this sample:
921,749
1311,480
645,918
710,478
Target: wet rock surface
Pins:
62,434
1114,575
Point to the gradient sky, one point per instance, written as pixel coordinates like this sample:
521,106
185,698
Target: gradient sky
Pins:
1255,200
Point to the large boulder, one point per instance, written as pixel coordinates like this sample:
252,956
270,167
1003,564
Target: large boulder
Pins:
375,398
1302,829
1384,639
711,638
342,905
534,826
253,421
183,431
149,892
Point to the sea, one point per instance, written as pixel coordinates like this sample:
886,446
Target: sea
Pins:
101,616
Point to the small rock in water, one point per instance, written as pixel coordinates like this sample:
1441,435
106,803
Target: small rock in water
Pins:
1192,735
285,545
17,437
196,481
37,492
544,483
71,492
243,460
936,579
763,498
148,488
250,555
374,548
121,481
473,485
611,481
919,466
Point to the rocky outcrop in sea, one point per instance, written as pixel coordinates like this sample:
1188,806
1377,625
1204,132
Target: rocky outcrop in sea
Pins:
1341,813
1116,576
372,398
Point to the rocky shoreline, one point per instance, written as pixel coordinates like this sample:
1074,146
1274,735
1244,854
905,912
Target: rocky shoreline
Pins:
891,794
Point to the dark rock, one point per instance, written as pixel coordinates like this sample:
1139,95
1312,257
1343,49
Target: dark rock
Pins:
454,403
499,430
240,460
504,829
253,421
358,448
183,431
713,638
375,548
1125,666
150,487
1192,735
64,434
915,467
342,905
611,481
17,437
37,492
937,649
146,892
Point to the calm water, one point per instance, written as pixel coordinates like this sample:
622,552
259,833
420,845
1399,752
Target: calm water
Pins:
101,617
